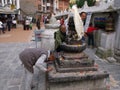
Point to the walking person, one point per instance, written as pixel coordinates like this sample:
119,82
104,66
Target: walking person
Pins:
34,57
2,26
9,22
27,24
90,34
14,23
38,23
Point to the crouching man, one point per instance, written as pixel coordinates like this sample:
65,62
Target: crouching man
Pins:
34,57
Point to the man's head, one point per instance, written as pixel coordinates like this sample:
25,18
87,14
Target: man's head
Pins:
51,56
83,15
63,28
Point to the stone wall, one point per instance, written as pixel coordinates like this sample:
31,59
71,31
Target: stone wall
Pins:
117,40
117,3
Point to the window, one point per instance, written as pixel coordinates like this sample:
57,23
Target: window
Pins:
39,7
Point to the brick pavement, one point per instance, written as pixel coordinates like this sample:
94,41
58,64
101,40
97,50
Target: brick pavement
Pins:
16,35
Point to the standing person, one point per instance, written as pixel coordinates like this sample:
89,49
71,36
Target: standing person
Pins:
60,37
27,24
90,35
2,26
83,16
38,23
34,57
30,25
24,26
14,22
9,22
62,20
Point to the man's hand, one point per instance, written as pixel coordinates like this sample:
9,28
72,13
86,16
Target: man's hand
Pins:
49,69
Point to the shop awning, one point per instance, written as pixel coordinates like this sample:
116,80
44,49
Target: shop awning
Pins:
6,10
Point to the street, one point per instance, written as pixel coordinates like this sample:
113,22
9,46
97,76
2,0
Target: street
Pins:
12,71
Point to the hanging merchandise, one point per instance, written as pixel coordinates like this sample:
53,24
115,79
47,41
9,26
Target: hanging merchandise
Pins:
109,23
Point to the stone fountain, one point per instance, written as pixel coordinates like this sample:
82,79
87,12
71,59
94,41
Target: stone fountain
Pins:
73,69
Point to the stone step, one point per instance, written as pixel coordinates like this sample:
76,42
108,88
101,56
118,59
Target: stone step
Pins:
87,80
74,63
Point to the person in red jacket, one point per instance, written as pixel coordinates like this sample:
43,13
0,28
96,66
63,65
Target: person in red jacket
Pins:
90,35
62,20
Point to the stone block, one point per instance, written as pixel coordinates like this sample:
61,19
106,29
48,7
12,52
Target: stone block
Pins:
107,40
52,26
47,39
117,3
103,53
14,88
97,36
77,81
117,58
76,63
89,85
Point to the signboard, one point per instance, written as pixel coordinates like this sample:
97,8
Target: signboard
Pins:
48,4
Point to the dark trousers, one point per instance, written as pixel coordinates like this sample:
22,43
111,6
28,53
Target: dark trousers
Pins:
27,27
90,39
9,27
58,49
2,29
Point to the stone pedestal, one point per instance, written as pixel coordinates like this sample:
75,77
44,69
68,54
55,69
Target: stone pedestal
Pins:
107,40
117,38
117,3
97,37
76,72
92,80
47,39
106,44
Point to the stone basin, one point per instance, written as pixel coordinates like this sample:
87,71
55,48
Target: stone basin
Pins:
52,26
72,56
73,48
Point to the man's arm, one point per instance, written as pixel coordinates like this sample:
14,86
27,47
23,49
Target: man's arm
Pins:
40,64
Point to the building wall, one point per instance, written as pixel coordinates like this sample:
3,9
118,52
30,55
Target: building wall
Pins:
28,7
63,4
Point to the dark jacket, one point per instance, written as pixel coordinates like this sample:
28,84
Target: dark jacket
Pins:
29,57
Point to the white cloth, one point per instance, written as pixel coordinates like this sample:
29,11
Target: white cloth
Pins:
27,22
78,22
14,21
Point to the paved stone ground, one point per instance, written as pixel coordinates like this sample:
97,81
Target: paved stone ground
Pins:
112,68
11,69
12,72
